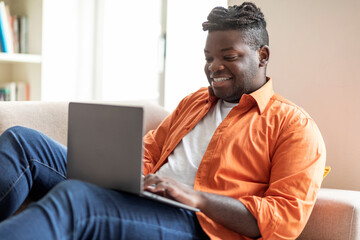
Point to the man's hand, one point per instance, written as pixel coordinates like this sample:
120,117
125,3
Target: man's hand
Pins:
227,211
172,189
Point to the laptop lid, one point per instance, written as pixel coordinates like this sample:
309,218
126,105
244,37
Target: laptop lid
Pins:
105,145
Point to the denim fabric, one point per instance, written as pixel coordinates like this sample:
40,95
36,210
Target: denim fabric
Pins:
29,160
73,209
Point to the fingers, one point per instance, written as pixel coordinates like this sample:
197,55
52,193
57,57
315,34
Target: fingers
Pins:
170,188
154,182
158,185
164,185
150,179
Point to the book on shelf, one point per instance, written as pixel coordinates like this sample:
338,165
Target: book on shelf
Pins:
14,91
13,31
23,34
2,31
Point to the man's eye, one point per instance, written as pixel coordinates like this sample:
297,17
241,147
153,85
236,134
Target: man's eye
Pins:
208,59
230,57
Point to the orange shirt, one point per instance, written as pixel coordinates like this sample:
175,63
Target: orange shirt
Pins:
268,153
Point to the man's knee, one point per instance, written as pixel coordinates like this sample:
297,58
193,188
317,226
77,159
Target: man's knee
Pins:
14,131
18,132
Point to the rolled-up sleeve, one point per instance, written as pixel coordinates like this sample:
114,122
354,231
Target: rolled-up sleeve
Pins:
297,167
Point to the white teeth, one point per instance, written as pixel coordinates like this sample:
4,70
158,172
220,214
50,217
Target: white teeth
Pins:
220,79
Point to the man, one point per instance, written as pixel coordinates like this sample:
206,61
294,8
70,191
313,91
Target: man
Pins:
250,160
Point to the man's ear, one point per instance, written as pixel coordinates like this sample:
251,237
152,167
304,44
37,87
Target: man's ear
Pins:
264,54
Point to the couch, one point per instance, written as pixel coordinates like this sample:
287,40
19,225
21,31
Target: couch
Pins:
336,215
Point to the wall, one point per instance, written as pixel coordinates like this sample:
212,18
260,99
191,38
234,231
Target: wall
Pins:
185,42
67,49
315,62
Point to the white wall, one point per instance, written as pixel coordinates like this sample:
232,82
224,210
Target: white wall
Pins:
131,37
184,70
315,63
68,49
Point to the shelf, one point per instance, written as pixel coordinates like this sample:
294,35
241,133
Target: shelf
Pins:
19,58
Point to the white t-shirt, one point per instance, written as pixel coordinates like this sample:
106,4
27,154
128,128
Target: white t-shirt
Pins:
184,161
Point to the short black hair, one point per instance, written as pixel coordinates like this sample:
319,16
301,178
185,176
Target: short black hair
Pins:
247,18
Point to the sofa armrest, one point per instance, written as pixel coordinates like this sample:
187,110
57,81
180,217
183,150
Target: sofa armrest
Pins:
336,215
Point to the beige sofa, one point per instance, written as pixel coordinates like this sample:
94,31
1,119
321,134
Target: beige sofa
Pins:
336,215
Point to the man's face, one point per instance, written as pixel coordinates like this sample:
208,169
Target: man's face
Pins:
232,67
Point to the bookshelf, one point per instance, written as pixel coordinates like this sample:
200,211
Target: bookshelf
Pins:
25,67
59,63
19,58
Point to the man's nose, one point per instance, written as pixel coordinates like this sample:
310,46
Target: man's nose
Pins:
215,66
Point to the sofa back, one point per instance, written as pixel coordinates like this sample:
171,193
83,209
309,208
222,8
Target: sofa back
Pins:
50,118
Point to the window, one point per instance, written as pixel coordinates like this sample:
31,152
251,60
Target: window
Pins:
130,49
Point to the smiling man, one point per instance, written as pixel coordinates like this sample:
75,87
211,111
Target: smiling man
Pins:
233,67
254,160
250,160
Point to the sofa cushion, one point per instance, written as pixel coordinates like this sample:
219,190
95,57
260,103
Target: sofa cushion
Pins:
50,118
336,215
47,117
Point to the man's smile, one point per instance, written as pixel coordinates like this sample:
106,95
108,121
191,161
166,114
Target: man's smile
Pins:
219,81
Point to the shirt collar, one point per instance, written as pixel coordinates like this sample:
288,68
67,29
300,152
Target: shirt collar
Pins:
261,96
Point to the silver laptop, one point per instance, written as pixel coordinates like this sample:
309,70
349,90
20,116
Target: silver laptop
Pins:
105,148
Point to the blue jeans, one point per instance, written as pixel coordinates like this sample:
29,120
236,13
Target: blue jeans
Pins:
32,163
